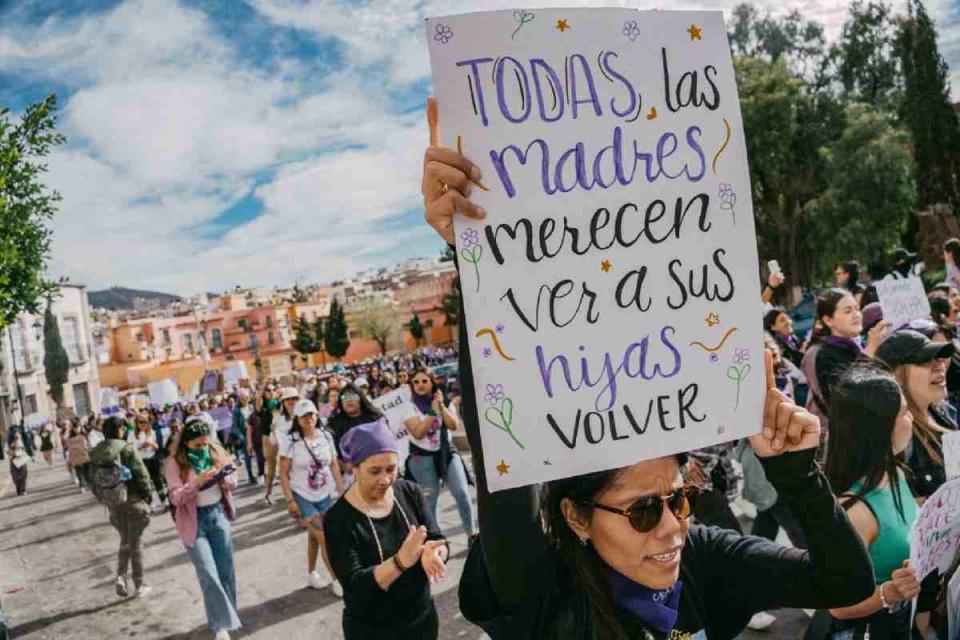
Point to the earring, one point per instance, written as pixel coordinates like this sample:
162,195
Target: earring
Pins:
583,542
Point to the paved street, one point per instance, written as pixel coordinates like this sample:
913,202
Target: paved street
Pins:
57,562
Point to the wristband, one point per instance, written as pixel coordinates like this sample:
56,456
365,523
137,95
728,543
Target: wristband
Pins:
883,601
396,561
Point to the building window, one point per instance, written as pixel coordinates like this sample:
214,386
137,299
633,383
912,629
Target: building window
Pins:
188,343
242,323
70,339
20,357
29,404
269,322
217,339
165,336
270,338
81,399
253,341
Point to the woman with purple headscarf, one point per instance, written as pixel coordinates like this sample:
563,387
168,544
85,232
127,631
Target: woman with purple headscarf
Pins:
384,544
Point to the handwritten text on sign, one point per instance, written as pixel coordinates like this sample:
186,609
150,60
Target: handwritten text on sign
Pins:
611,294
935,536
903,300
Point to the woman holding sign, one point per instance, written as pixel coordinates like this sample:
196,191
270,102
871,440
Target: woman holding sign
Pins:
870,424
618,557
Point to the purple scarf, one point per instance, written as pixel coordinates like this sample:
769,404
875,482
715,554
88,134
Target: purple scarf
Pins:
849,345
655,608
790,340
424,404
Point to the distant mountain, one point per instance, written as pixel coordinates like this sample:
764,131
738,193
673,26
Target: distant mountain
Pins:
120,298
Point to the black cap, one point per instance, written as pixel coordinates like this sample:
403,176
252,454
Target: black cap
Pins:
902,254
911,347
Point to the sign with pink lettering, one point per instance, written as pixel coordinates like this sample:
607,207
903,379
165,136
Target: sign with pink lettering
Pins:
612,292
935,536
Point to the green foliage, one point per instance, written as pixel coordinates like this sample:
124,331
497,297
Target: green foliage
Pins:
927,111
304,337
56,362
451,305
318,334
867,65
378,321
336,336
869,193
26,208
448,254
416,329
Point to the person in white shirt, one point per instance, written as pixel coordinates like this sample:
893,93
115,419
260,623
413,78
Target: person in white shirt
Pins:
279,431
144,440
309,475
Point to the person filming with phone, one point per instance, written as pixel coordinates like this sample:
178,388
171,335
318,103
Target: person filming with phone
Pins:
200,478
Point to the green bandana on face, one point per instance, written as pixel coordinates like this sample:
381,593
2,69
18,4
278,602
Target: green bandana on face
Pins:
273,405
200,459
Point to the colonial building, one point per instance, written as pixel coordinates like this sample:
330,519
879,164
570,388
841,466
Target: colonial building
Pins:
22,377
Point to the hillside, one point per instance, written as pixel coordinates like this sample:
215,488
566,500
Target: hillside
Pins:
117,298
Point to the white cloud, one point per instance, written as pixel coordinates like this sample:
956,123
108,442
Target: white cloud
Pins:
170,123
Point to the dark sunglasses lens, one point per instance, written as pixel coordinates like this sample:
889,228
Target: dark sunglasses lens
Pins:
680,504
645,514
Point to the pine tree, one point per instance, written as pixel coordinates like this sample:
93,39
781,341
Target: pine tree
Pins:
56,362
416,329
303,337
318,338
927,110
336,337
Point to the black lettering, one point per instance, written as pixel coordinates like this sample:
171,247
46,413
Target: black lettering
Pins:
613,427
663,413
588,429
571,442
624,299
685,404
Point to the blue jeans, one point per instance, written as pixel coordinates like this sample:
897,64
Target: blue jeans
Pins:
212,557
425,474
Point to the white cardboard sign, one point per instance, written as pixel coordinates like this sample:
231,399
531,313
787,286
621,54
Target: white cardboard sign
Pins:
163,392
935,535
612,293
951,453
396,407
903,300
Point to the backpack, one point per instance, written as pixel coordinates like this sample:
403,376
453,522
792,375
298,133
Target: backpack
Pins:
110,483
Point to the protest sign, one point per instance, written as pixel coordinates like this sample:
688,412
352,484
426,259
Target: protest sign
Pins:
612,292
902,301
396,407
223,416
935,535
163,392
109,401
233,373
951,453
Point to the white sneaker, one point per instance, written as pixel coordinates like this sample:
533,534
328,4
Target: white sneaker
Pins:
222,635
336,588
315,581
142,591
761,621
260,481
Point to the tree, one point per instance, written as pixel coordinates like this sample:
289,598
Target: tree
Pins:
785,127
26,208
451,307
416,329
867,65
336,336
318,338
447,255
870,191
56,362
927,111
304,340
378,321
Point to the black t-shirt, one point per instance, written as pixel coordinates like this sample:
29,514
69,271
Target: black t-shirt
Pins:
354,555
340,423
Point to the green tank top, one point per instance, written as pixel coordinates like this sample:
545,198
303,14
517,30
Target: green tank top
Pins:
892,544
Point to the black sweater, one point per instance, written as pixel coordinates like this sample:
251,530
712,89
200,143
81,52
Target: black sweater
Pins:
515,586
354,556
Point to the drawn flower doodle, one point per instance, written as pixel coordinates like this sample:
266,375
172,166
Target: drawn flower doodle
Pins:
487,352
444,34
714,357
500,328
741,355
471,250
728,199
468,238
494,393
631,30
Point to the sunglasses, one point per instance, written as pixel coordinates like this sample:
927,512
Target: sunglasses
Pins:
348,397
645,513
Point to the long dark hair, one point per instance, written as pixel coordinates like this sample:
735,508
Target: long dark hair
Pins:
113,428
863,414
588,607
952,246
367,408
770,318
826,306
852,269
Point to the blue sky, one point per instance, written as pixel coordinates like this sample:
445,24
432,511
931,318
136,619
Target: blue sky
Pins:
255,142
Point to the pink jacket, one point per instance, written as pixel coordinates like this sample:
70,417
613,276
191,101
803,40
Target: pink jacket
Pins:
183,495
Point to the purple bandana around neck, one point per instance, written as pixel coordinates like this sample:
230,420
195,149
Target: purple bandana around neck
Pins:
790,340
658,609
849,345
423,403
